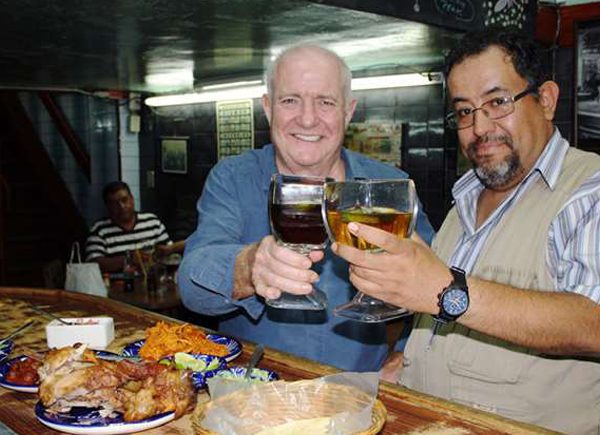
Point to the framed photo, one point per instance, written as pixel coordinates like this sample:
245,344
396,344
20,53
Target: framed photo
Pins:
587,84
381,141
173,154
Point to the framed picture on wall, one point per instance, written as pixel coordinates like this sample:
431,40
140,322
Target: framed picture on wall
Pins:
587,83
381,141
173,154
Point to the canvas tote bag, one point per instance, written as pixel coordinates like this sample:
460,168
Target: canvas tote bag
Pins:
84,277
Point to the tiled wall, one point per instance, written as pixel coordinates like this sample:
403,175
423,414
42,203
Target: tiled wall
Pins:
94,121
426,154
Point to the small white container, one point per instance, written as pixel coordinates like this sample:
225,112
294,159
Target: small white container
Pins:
96,332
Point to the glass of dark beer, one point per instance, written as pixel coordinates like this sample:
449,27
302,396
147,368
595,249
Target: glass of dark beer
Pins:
390,205
297,223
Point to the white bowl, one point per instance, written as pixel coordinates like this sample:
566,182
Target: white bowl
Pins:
96,332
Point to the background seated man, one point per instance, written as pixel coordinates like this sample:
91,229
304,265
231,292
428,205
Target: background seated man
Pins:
126,230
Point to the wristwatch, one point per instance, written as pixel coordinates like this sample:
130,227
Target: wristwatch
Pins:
454,299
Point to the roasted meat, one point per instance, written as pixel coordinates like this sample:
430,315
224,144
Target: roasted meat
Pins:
24,371
74,376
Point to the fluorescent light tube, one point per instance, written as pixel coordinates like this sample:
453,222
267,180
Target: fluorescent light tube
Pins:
240,93
394,81
253,89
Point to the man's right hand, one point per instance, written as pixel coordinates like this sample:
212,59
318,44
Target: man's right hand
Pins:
274,268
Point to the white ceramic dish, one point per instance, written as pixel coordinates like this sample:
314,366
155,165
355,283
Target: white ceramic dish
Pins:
96,332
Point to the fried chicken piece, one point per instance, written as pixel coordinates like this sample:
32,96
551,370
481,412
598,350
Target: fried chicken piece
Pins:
168,391
74,376
68,373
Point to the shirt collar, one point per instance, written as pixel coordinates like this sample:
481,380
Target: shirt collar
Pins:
547,165
352,167
268,166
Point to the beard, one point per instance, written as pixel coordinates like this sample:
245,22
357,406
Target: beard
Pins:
496,175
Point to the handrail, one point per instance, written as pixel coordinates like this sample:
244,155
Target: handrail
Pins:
64,127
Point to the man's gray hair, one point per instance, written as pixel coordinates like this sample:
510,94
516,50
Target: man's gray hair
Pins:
346,74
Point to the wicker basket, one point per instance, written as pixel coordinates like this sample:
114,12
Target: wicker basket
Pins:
326,399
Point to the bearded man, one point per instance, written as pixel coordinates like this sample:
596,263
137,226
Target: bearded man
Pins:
513,327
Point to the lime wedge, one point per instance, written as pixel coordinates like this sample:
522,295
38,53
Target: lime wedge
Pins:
186,361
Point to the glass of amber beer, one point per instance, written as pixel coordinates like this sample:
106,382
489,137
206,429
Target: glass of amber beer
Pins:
297,223
390,205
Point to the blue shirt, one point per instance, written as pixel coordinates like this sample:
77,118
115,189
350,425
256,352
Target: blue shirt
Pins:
232,213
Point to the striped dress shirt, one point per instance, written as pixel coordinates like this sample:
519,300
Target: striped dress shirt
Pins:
573,249
108,240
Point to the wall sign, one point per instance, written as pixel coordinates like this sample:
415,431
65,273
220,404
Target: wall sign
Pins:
462,15
462,10
235,127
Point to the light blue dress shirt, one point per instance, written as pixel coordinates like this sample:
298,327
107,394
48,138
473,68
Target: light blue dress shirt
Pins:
574,234
232,213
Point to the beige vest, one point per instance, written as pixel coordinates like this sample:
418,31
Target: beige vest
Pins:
468,367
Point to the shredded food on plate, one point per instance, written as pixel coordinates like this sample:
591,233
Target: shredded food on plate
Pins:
164,339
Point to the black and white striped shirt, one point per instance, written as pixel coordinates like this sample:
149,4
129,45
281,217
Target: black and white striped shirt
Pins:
108,240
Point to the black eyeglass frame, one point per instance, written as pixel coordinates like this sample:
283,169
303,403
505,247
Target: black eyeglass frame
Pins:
452,122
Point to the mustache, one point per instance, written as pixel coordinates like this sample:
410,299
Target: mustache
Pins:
491,138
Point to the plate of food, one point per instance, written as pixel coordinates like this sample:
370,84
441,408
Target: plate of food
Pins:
20,373
164,340
93,421
83,394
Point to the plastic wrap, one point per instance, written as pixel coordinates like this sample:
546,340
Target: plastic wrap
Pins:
337,404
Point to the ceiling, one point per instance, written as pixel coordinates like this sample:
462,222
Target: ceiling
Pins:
166,46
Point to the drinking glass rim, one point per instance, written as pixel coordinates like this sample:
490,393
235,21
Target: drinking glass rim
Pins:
294,177
373,181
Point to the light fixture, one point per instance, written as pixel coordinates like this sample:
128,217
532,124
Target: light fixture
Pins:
395,81
255,89
235,93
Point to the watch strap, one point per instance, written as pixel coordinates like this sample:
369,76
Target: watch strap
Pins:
458,277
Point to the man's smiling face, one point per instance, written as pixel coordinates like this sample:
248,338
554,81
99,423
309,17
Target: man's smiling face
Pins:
502,151
307,112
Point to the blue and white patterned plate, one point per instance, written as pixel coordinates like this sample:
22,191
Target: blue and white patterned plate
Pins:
5,368
89,421
6,348
233,346
238,373
199,377
29,388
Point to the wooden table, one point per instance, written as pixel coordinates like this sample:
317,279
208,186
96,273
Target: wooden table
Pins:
164,300
408,411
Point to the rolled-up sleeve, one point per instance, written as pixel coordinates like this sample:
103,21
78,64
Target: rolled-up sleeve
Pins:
205,276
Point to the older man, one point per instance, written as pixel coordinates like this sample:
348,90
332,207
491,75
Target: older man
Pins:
231,263
514,326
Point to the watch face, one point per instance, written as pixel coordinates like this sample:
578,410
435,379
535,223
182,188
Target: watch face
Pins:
455,301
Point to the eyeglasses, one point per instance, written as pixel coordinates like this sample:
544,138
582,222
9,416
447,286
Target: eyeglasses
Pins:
496,108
